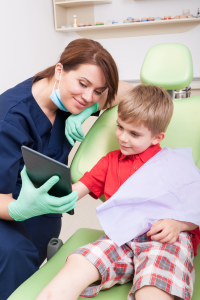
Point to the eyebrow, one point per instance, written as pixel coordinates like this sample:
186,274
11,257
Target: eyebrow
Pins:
134,131
104,87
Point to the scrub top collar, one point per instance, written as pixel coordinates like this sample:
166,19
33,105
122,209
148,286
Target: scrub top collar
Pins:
41,121
43,124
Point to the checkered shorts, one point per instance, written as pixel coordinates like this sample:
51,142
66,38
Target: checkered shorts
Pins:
168,267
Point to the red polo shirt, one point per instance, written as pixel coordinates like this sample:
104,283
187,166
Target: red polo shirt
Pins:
114,169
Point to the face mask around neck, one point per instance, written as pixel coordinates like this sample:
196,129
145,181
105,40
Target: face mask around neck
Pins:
55,96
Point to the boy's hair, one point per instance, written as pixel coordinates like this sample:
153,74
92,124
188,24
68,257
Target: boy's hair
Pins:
149,105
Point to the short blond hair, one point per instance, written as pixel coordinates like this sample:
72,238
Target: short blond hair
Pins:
149,105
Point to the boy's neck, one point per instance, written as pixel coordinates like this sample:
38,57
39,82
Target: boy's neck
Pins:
149,152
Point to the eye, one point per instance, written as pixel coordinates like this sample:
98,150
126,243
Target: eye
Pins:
82,84
120,127
97,93
135,134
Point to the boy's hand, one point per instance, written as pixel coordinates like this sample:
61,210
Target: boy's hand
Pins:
165,231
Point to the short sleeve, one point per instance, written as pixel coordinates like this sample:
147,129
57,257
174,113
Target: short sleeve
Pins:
11,140
95,179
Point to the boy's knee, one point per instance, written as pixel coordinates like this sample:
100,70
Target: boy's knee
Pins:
75,259
80,263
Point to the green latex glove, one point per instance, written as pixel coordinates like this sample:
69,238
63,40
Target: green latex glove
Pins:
73,130
36,201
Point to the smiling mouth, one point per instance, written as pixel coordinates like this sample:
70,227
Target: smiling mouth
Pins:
124,146
80,103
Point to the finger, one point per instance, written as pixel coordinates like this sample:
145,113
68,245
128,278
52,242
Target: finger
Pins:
76,138
155,229
159,236
172,241
156,223
167,239
74,133
75,129
67,134
64,208
24,176
48,184
67,208
56,202
80,131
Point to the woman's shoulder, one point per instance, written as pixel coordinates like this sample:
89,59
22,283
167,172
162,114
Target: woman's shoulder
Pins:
14,96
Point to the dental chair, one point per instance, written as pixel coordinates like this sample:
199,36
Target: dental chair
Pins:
166,65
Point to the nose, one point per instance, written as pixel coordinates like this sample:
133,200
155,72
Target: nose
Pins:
123,137
87,96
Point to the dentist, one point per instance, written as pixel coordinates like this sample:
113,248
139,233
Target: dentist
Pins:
45,113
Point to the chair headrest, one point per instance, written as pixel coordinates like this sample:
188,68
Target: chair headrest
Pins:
168,65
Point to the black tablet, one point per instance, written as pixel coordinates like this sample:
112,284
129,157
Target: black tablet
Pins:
40,168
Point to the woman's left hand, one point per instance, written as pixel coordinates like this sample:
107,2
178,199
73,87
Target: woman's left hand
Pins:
73,130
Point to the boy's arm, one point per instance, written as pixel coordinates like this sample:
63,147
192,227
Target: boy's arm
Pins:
81,189
167,230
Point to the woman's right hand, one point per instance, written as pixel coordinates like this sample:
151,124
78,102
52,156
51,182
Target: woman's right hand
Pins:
36,201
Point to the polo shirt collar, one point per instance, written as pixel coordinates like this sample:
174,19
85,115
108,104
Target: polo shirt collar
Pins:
145,155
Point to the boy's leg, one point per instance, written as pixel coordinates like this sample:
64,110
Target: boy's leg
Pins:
152,292
162,268
74,277
101,260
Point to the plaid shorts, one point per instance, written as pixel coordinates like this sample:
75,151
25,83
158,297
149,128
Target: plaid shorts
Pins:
168,267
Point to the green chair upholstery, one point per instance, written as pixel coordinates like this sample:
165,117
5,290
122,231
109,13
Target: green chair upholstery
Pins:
183,131
168,65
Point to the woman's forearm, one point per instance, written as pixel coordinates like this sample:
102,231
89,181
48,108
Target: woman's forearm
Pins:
122,89
5,200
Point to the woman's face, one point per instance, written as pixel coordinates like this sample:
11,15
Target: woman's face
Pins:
81,88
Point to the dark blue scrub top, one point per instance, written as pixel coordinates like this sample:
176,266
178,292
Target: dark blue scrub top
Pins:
22,122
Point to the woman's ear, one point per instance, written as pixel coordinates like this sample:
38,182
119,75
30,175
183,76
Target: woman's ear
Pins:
158,138
58,69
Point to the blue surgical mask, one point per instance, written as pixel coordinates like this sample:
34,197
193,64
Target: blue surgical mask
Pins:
55,97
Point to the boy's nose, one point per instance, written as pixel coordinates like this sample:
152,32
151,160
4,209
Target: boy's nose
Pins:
124,137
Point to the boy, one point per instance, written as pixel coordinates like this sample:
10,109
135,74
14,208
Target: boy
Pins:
161,260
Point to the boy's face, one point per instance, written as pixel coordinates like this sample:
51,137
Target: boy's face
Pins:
135,139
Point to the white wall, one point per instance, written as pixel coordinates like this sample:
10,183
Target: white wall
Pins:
28,41
130,52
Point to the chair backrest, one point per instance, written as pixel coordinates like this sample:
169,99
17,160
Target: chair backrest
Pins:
168,65
183,131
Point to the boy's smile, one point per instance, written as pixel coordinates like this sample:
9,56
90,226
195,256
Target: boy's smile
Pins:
134,139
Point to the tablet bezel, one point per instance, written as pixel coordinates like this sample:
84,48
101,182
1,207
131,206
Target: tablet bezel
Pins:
40,168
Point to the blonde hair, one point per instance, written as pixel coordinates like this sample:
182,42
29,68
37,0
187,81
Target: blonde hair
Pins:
149,105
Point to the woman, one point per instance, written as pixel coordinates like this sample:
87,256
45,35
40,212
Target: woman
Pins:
85,75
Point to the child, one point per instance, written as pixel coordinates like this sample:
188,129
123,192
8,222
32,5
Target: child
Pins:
160,262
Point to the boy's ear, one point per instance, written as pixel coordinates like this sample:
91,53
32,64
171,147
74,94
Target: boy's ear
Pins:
158,138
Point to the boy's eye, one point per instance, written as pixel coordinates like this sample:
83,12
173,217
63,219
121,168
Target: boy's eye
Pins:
82,84
120,127
135,134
